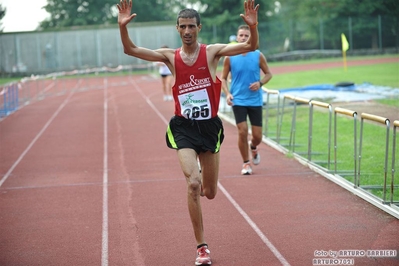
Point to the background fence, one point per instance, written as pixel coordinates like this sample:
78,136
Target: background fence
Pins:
44,52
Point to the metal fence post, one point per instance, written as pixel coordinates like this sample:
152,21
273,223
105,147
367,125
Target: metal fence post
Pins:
324,105
347,112
267,107
395,126
381,120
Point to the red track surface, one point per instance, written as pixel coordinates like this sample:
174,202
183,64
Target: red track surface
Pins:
57,154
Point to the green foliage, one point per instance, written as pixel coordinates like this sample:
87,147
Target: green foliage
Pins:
307,24
2,14
333,17
77,13
225,15
326,9
67,13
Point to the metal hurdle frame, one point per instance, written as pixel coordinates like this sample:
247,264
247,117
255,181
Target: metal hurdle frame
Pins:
310,136
10,99
395,126
339,110
381,120
296,100
267,107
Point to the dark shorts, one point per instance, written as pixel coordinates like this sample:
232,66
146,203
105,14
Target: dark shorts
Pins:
165,75
199,135
253,112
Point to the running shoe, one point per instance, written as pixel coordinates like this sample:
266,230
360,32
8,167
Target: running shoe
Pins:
246,169
255,155
203,257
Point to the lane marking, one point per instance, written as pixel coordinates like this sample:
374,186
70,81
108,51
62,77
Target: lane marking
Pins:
104,240
39,134
251,223
148,101
265,240
144,181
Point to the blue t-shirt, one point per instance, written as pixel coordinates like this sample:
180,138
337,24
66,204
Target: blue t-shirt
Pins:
245,70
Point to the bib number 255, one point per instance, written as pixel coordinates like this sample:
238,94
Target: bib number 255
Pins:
197,112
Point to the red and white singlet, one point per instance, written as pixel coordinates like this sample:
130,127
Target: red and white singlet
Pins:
196,95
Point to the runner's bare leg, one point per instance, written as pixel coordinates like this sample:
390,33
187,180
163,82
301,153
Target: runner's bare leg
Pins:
189,165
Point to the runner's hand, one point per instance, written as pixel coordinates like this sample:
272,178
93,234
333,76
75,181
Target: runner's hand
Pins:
124,16
229,99
251,13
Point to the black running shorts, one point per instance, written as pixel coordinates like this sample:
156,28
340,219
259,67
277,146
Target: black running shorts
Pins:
199,135
253,112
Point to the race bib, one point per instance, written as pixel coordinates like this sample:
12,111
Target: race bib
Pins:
195,105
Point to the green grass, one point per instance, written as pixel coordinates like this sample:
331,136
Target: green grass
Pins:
335,59
4,81
380,74
391,102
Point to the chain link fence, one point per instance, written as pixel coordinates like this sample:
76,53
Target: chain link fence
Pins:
30,53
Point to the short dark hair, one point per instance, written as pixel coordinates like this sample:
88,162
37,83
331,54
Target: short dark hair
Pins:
189,13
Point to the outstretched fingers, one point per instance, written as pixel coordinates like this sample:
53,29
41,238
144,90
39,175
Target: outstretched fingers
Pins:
124,4
125,16
250,5
250,15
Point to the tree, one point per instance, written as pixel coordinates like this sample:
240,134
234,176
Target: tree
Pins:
2,14
225,16
67,13
334,17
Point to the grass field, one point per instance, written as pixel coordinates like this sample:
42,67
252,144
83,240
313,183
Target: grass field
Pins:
380,74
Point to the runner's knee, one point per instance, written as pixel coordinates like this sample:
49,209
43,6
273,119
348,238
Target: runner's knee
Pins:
194,187
210,193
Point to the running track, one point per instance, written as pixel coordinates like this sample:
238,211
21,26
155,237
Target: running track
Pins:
86,179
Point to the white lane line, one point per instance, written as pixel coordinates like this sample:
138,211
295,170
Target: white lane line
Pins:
48,87
251,223
148,101
104,246
39,134
254,227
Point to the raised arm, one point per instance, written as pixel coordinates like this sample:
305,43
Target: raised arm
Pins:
250,17
124,17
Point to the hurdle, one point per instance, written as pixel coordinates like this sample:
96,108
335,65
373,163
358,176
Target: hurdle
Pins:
310,135
395,126
342,111
266,131
9,101
380,120
296,101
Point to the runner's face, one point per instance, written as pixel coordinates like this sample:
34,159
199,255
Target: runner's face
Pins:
243,35
188,30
